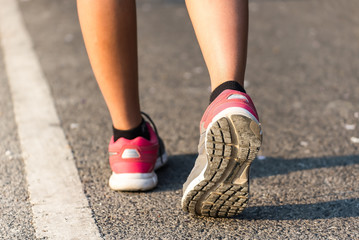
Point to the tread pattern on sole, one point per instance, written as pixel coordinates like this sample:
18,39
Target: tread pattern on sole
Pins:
231,147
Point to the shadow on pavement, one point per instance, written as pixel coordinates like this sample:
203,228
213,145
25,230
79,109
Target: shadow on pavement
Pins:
175,174
323,210
276,166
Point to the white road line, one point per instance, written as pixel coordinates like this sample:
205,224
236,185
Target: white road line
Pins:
59,205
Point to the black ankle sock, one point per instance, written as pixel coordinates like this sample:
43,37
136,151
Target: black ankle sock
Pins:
139,131
233,85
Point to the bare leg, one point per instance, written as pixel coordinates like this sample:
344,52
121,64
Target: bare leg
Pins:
110,34
221,28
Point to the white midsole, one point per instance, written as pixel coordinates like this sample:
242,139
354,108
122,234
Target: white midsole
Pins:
194,182
133,181
225,113
136,181
133,176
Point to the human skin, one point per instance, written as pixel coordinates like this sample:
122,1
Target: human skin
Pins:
221,28
110,34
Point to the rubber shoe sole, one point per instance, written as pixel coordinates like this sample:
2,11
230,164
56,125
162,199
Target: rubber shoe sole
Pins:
136,182
232,143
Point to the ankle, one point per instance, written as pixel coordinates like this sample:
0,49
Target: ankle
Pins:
139,131
233,85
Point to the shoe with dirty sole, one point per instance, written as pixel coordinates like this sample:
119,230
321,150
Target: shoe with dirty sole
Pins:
231,136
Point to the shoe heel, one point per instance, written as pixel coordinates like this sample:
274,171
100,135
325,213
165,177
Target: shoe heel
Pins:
232,144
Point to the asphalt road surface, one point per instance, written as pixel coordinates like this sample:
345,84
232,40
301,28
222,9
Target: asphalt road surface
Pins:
302,73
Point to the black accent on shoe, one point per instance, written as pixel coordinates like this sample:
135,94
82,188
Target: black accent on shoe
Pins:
161,149
139,131
233,85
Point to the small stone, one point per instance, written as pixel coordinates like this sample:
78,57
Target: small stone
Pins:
349,126
74,125
8,153
304,143
354,139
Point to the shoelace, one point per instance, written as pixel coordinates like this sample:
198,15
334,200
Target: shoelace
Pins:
161,145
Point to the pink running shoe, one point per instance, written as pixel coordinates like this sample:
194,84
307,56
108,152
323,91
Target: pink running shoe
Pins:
231,136
133,162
